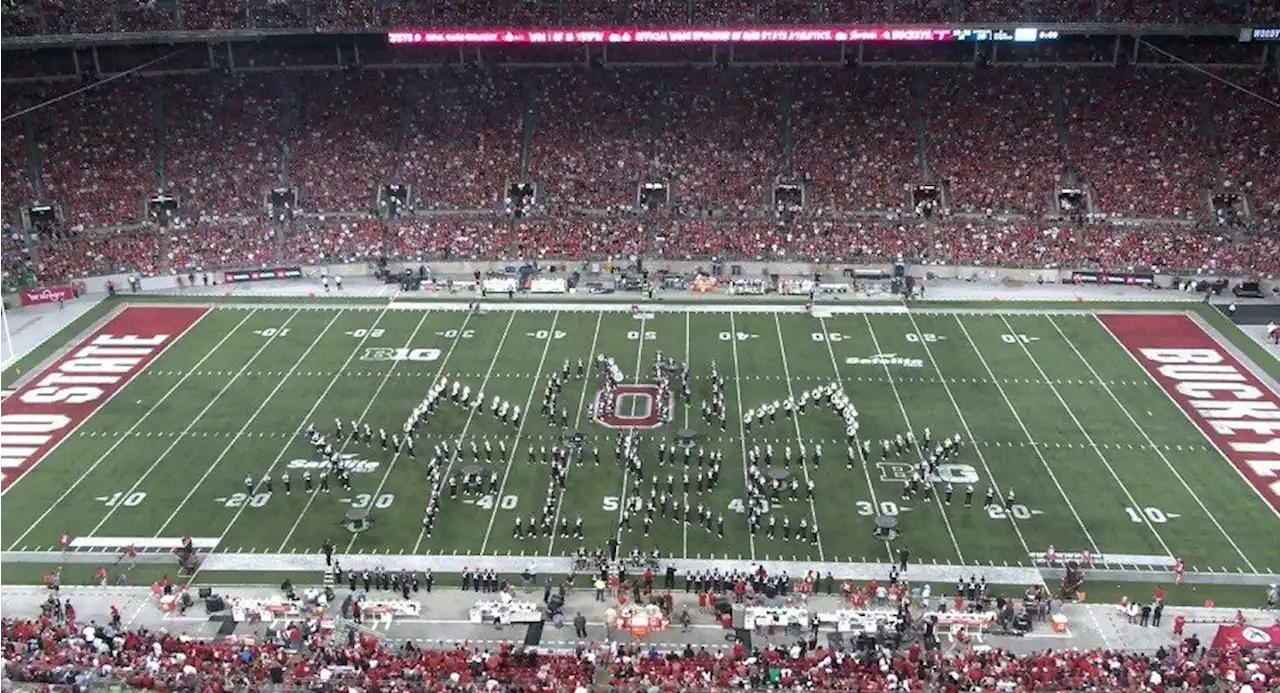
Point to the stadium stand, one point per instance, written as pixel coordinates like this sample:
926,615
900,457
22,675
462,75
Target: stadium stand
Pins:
1149,145
53,651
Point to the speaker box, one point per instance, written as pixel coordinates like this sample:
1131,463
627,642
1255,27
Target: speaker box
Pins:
206,592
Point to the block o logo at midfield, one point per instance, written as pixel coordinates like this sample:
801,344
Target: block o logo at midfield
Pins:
633,406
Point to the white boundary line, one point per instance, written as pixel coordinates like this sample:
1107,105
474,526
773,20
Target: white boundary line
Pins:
977,449
462,434
1088,438
795,422
344,444
183,434
1153,445
577,424
1030,438
515,446
866,471
1212,443
252,417
906,418
82,341
124,436
742,430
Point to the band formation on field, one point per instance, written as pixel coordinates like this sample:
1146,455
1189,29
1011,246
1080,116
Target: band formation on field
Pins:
467,438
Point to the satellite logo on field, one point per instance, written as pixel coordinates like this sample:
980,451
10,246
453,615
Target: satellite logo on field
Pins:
351,461
885,360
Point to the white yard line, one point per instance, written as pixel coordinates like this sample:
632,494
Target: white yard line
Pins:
577,424
301,425
795,421
1030,438
742,431
127,435
1154,447
363,413
687,359
515,447
973,441
466,426
906,418
866,470
183,433
1212,443
626,467
252,417
1089,439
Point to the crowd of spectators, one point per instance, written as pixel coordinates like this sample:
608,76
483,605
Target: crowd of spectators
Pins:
1149,143
855,138
29,17
56,649
993,137
96,153
240,243
1153,159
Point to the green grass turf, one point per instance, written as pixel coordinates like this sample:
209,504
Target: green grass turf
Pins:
184,467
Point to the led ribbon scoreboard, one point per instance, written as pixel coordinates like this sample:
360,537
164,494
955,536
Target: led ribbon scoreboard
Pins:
763,34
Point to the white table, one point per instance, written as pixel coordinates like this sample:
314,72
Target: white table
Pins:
506,612
859,620
758,617
264,609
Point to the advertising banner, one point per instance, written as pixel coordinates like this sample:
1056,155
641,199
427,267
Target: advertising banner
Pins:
47,294
1084,277
262,275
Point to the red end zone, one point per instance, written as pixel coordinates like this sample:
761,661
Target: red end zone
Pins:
40,414
1234,409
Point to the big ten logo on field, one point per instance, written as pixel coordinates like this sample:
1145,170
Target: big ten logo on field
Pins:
399,354
633,406
940,474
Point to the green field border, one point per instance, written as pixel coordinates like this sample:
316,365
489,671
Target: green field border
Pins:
33,360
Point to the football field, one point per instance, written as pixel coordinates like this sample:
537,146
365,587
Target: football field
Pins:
1111,431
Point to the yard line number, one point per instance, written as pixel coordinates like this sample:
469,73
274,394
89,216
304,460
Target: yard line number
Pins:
243,500
829,337
1152,515
636,335
923,337
869,509
612,503
368,500
542,334
730,336
508,502
1017,511
128,500
362,333
458,334
272,332
736,505
1018,339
